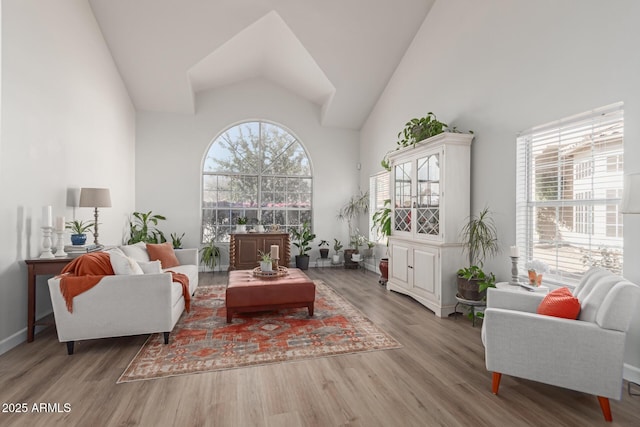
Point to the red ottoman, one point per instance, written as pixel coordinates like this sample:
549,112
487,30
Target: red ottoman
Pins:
247,293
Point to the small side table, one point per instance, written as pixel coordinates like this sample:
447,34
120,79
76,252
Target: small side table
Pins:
37,267
470,303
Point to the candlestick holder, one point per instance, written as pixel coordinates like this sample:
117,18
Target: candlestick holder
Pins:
274,263
514,271
46,243
60,253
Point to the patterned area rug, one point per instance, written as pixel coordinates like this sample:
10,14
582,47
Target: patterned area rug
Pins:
202,340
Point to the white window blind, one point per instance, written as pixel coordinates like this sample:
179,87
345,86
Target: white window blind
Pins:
569,184
378,193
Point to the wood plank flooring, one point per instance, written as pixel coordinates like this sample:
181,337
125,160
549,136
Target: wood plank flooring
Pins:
437,379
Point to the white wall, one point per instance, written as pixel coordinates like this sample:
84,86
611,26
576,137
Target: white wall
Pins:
67,122
501,66
170,149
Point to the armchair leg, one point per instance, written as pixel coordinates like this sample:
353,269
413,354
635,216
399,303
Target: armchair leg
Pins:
166,337
495,384
70,347
606,408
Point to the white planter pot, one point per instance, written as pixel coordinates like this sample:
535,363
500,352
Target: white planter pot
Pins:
259,228
241,228
335,259
265,266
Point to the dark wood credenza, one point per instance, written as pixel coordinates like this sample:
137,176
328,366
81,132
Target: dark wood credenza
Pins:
244,247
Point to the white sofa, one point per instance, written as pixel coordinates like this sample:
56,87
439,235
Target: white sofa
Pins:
121,305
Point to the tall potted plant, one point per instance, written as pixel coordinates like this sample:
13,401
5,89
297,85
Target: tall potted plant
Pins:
382,225
302,237
480,240
356,206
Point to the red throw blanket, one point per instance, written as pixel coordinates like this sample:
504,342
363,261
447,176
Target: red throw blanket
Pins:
84,272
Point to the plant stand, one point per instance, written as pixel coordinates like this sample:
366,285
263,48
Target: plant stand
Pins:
474,305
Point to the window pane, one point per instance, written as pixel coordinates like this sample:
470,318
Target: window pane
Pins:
250,170
569,185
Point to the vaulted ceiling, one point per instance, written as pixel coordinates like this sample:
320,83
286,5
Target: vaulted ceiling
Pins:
338,54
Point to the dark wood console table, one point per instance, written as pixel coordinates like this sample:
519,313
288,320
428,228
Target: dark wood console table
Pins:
36,267
244,247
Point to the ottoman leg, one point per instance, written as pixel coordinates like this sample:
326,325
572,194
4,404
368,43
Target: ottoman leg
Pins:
310,307
229,315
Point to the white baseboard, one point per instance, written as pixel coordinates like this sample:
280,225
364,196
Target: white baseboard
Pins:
631,373
20,336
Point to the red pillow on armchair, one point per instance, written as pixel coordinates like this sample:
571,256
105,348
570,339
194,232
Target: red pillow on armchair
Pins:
560,303
163,252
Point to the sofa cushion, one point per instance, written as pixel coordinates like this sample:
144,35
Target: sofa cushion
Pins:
151,267
560,303
164,253
137,251
123,264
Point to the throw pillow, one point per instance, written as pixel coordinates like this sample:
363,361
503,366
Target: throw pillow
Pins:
137,251
560,303
163,252
151,267
123,264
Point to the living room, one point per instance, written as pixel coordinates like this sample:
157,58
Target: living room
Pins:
70,119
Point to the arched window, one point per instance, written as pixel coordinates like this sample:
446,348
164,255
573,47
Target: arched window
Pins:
259,171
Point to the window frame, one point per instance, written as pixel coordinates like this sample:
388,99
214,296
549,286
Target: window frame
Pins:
376,201
256,211
579,171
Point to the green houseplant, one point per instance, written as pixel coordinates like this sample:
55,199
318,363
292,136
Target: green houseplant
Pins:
356,206
266,262
79,230
324,252
480,240
302,237
337,247
143,228
208,255
176,240
382,225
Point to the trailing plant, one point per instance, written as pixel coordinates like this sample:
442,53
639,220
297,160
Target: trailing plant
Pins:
208,255
176,240
78,226
418,129
382,220
302,237
143,228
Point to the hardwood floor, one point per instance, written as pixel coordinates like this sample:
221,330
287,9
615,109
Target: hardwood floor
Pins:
437,379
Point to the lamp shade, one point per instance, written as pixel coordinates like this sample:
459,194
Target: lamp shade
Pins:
631,196
95,198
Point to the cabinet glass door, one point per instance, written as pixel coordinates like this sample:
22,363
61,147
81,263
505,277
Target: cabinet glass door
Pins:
402,197
428,191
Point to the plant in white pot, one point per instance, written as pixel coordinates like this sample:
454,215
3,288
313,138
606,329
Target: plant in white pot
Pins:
337,248
266,262
480,240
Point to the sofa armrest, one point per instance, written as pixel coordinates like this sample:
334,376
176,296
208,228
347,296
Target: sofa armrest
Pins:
187,256
514,300
567,353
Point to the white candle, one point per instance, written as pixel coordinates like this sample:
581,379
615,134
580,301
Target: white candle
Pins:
514,252
59,223
275,252
47,216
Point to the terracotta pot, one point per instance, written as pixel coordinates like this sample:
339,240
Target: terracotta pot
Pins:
384,270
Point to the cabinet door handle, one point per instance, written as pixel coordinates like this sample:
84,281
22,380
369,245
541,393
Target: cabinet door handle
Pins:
410,266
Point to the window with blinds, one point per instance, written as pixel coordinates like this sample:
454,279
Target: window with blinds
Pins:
569,186
378,193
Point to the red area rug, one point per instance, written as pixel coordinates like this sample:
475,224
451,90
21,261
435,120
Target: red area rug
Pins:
203,341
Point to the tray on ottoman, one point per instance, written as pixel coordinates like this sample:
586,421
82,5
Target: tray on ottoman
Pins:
248,293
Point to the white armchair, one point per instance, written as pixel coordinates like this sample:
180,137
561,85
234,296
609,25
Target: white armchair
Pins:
585,355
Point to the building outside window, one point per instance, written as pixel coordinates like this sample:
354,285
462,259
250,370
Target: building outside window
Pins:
259,171
378,193
569,186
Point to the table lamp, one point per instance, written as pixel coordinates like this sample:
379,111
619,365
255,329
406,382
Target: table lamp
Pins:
95,198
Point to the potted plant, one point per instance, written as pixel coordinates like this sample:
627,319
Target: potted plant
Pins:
141,230
79,230
301,238
382,225
357,205
480,240
266,263
324,252
208,255
337,247
241,224
176,240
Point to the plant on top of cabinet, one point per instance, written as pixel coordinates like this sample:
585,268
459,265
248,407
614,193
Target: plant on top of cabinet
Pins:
480,240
